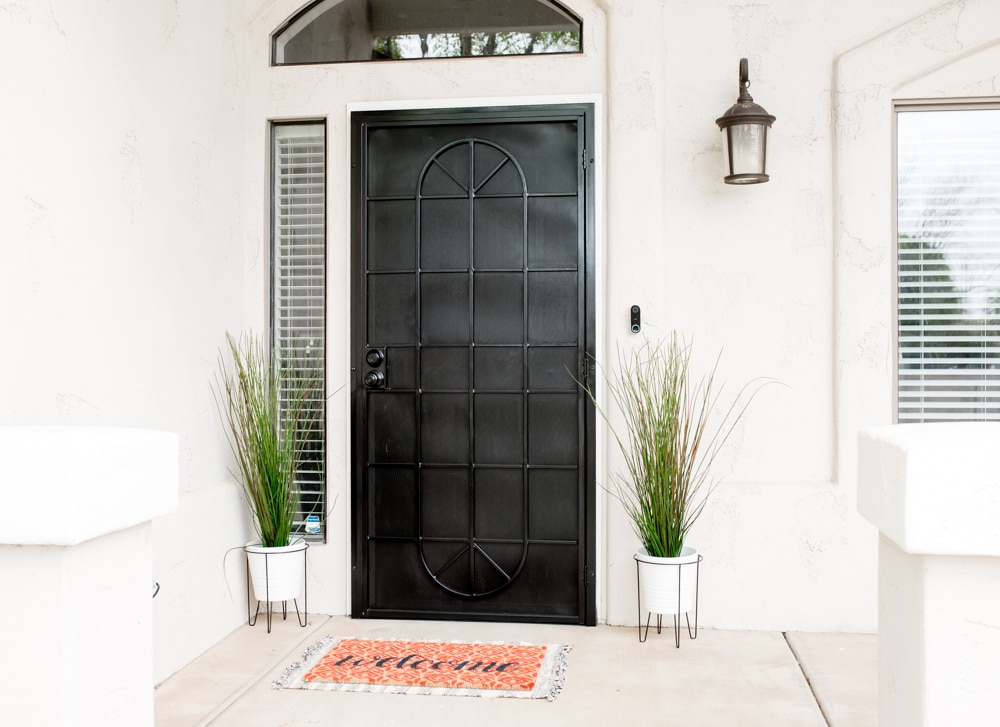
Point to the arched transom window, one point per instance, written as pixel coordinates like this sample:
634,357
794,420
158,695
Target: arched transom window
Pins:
343,31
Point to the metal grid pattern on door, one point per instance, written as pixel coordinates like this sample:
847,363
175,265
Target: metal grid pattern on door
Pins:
472,499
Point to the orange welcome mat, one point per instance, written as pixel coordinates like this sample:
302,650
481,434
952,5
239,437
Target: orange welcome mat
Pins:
430,667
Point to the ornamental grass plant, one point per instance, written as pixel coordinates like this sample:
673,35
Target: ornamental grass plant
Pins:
671,433
263,400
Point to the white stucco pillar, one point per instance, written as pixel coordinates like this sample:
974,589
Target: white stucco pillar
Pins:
76,572
933,491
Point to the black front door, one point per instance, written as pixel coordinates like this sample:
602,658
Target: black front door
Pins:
472,312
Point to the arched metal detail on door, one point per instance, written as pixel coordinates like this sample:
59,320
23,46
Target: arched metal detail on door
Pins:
488,182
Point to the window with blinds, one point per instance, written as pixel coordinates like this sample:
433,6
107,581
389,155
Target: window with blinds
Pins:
948,264
298,293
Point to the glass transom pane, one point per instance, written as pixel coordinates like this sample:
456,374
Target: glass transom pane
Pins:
343,31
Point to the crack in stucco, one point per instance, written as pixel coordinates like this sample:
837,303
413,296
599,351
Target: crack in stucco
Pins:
983,624
853,251
871,348
937,29
171,20
231,62
46,19
706,167
754,25
637,95
40,237
133,179
70,404
37,217
202,162
258,251
798,340
852,109
810,215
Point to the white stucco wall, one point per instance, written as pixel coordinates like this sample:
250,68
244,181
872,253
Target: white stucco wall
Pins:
135,201
123,257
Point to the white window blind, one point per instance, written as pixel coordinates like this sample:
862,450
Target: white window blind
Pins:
948,269
298,287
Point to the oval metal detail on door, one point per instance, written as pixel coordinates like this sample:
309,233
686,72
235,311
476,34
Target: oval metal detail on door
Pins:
473,454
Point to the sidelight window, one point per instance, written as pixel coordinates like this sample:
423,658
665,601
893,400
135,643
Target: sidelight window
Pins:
341,31
948,264
298,289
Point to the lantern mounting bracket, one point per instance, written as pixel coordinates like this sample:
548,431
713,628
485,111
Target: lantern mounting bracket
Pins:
744,82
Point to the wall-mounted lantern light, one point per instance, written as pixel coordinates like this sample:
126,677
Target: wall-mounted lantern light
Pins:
745,127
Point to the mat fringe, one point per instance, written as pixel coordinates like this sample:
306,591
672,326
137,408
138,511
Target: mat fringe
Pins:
549,685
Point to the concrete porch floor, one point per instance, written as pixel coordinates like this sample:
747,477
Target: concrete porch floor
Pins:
722,678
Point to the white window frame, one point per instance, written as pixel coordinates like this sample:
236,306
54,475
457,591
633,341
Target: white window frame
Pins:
961,394
298,289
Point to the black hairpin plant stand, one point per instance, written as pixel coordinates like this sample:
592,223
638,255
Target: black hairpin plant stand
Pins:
302,616
693,634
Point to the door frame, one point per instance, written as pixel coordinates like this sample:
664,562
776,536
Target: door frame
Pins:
360,120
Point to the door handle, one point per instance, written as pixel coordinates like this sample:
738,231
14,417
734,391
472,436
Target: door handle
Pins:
374,380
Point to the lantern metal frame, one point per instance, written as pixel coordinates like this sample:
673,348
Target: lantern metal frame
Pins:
745,113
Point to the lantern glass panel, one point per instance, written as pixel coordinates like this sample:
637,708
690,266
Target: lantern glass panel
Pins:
746,152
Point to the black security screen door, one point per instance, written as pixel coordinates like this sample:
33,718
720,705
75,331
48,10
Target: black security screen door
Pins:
472,312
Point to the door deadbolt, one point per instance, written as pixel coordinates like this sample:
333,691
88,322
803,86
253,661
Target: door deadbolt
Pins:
374,379
375,357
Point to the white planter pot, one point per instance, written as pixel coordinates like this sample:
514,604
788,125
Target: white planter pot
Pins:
668,585
277,573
